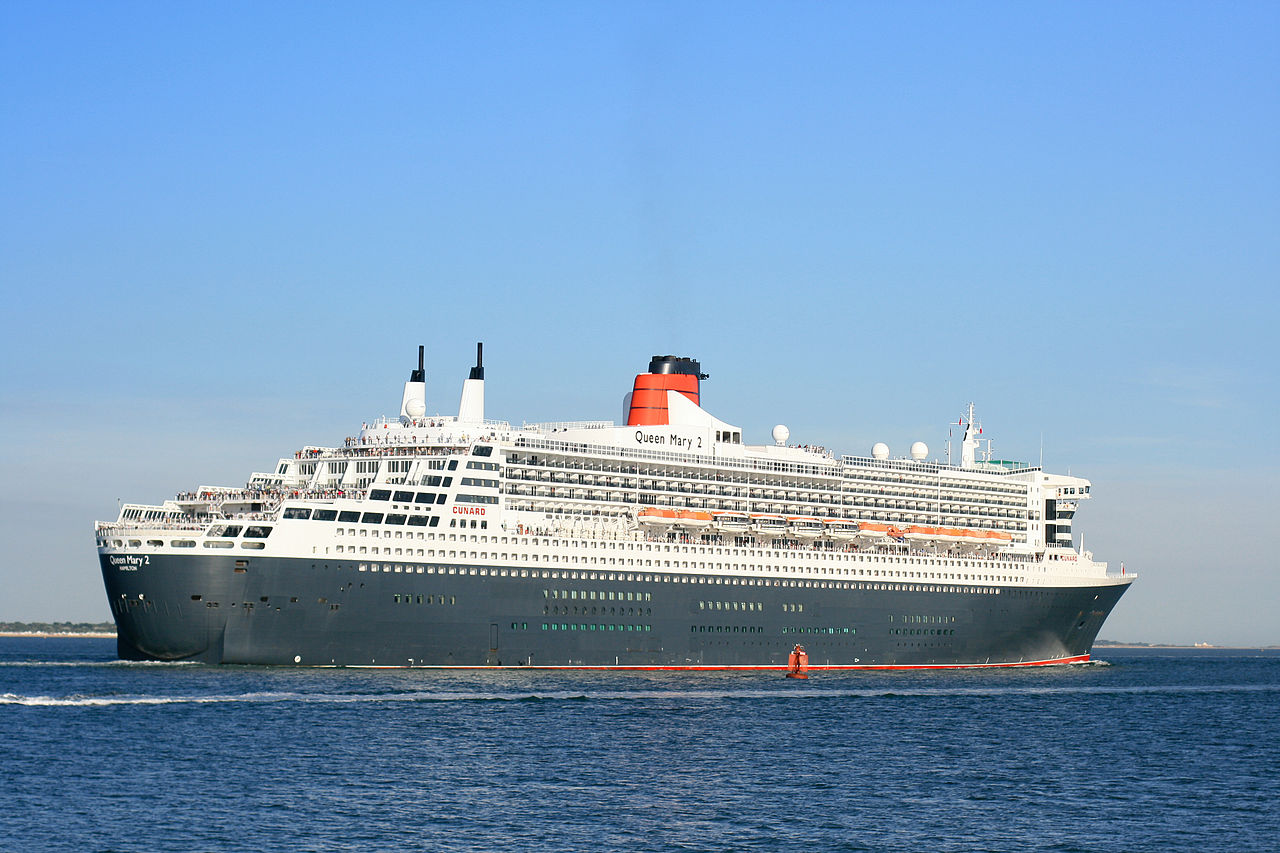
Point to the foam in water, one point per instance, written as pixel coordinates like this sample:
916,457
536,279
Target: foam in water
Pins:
80,701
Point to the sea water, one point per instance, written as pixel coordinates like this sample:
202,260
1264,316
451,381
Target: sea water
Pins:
1140,750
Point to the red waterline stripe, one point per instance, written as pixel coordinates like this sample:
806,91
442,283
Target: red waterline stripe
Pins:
768,668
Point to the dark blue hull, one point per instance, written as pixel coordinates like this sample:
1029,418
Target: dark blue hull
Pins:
303,612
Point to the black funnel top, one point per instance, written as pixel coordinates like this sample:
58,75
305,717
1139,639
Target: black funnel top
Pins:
418,375
477,372
676,364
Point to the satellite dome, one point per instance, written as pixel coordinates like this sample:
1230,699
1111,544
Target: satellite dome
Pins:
880,451
415,408
781,434
919,451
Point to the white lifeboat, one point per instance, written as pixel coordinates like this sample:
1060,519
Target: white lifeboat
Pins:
730,521
841,528
805,527
768,523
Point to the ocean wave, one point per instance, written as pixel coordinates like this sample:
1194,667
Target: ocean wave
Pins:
103,663
267,697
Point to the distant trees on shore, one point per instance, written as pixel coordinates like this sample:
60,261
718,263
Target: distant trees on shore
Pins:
57,628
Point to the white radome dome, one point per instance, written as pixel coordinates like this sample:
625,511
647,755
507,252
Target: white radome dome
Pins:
781,434
415,408
880,450
919,451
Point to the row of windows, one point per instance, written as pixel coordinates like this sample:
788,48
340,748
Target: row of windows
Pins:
658,477
726,629
411,497
932,632
732,605
513,572
152,514
899,587
430,599
476,499
233,530
352,517
591,595
754,549
765,500
561,626
852,476
479,481
398,518
191,543
925,618
972,515
819,630
621,611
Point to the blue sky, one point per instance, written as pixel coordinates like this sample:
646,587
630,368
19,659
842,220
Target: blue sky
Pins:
226,228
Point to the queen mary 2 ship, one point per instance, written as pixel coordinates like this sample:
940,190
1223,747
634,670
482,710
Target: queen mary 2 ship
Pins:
667,542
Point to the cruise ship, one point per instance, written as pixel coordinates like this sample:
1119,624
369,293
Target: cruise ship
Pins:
663,542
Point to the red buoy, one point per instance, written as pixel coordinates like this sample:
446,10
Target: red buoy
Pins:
798,663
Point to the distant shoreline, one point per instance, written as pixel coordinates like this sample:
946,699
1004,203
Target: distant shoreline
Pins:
83,635
1175,647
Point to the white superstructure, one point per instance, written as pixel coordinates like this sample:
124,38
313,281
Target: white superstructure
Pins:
684,496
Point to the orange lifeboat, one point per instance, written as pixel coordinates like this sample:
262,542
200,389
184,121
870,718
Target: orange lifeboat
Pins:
872,530
655,515
920,533
693,518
